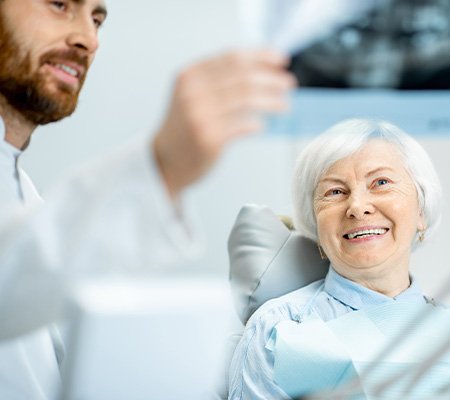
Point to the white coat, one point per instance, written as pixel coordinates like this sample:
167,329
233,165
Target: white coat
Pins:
113,215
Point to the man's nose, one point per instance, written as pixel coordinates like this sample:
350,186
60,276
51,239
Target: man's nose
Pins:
359,205
84,36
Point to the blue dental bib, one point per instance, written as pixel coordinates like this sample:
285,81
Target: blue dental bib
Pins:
315,356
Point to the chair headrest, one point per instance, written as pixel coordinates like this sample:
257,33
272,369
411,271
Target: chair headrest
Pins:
267,259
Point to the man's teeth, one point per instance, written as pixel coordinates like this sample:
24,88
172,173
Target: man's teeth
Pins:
367,232
67,69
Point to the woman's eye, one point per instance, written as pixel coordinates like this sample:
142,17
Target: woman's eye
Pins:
381,182
333,192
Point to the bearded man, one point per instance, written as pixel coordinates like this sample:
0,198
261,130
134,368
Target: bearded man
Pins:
126,209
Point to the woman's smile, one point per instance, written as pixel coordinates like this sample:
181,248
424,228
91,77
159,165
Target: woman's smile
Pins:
365,233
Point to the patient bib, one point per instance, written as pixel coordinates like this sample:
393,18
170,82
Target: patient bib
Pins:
314,355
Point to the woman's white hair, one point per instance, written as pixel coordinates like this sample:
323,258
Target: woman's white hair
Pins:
342,140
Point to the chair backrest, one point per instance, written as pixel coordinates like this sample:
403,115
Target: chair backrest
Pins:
268,259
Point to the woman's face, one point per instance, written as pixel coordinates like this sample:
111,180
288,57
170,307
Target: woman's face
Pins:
367,211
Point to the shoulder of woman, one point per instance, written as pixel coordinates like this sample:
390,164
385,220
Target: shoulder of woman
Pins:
286,307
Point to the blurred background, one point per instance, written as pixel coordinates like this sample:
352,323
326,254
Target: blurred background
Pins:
144,45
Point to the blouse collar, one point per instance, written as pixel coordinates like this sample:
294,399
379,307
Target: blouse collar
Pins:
357,296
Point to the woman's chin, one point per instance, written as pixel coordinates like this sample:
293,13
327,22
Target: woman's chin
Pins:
362,262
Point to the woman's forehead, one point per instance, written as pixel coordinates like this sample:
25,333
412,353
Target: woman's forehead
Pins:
373,156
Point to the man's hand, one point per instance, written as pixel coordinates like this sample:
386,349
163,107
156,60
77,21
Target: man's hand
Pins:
214,102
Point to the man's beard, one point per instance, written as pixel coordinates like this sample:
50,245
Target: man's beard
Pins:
26,90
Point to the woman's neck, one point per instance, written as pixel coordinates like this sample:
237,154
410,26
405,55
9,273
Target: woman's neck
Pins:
388,281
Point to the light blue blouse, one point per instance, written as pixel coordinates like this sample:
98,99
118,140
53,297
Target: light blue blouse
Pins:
251,370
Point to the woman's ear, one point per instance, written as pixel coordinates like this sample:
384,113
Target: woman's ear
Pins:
421,227
422,223
323,256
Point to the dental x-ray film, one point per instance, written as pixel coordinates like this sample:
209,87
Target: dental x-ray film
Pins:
391,56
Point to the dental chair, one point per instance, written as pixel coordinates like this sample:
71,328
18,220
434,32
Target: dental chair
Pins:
268,258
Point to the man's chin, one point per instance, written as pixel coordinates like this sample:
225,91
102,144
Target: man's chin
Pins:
39,100
61,90
52,105
51,109
44,119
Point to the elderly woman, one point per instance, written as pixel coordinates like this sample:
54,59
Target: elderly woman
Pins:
367,194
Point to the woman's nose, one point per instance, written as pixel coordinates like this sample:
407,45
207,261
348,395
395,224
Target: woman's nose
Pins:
359,205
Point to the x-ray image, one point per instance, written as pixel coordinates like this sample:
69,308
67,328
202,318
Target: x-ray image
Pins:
401,44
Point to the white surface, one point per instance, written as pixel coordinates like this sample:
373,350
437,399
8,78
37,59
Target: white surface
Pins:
148,338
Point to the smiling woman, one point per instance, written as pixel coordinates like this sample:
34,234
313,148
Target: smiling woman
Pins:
371,192
366,193
367,215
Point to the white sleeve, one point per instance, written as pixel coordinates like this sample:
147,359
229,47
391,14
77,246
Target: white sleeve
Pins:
111,216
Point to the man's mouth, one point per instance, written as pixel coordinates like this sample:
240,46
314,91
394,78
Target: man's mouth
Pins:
68,66
67,72
67,69
364,233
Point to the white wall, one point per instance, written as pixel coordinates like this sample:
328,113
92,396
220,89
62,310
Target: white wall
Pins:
143,44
